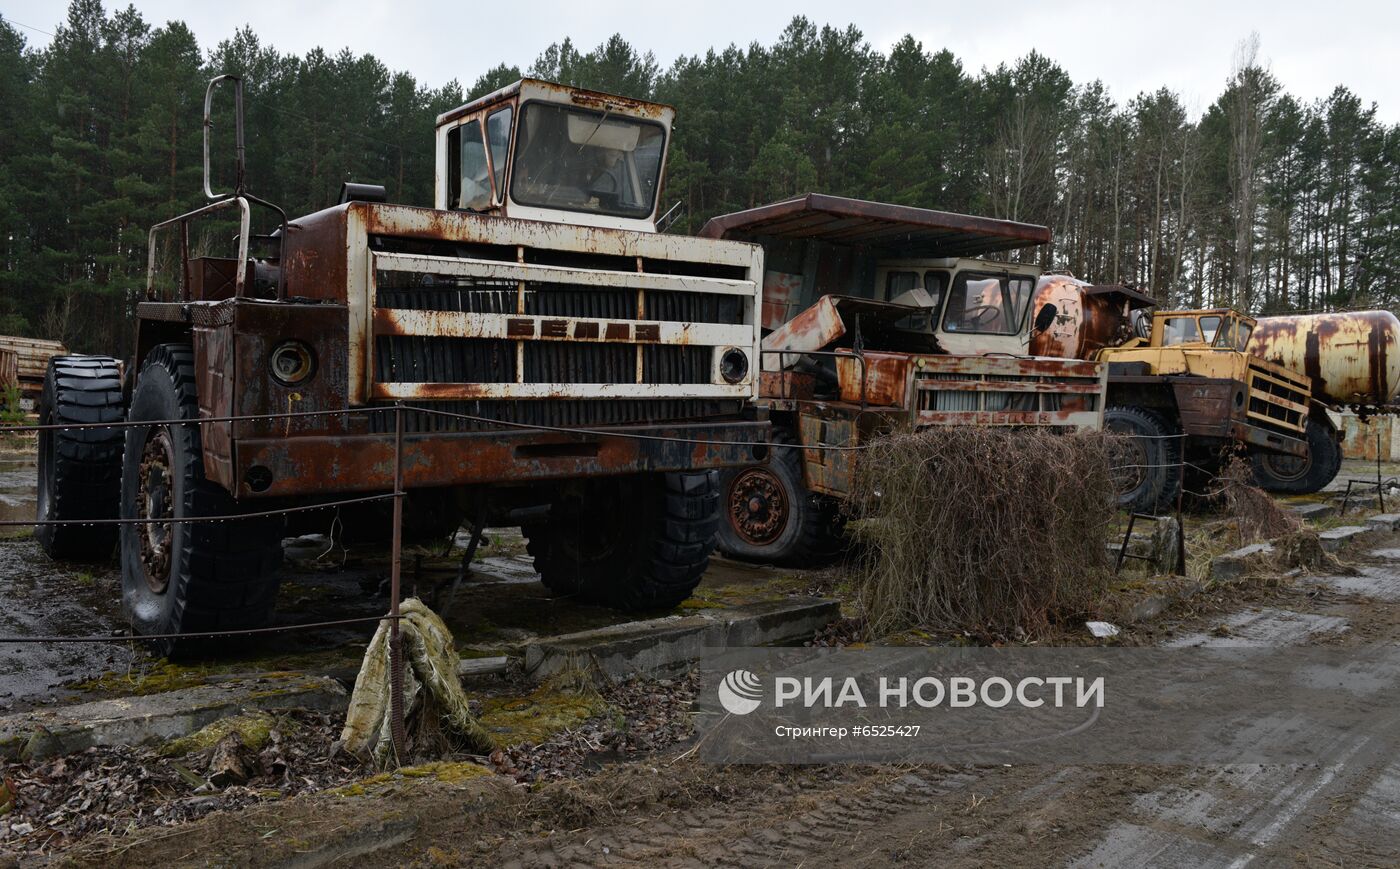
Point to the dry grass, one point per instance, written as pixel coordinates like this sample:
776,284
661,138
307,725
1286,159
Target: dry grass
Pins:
986,531
1257,515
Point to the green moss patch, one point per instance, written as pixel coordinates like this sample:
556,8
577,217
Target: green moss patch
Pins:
445,771
255,728
535,718
156,679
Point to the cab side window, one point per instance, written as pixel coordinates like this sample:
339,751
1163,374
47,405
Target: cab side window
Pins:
475,180
498,142
898,283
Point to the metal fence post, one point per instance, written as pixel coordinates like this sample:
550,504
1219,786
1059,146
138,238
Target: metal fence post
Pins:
1380,486
396,712
1180,519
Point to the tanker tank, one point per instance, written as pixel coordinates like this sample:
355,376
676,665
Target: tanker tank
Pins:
1353,358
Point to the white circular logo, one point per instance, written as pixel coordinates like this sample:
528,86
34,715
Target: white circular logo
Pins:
740,693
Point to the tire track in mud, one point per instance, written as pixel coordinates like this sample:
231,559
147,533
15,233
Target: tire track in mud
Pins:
1006,816
1035,816
799,817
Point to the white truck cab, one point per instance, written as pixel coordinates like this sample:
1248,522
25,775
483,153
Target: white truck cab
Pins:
974,306
536,150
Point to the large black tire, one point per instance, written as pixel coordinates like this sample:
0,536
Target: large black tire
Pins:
768,515
184,577
1275,472
80,470
635,543
1148,466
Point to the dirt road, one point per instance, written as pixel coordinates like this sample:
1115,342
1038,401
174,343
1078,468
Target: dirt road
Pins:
1343,812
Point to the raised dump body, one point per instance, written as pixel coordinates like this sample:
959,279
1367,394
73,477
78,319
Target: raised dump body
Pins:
883,319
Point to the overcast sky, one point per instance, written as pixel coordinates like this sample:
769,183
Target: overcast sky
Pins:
1187,45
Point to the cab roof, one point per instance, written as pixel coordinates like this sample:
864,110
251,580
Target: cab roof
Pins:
536,87
890,230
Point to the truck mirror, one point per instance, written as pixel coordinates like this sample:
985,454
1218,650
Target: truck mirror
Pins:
238,177
1045,317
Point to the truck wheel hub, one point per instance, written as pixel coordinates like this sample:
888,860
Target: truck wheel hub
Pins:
1287,467
155,501
758,509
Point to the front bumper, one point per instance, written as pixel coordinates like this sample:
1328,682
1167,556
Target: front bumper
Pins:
301,466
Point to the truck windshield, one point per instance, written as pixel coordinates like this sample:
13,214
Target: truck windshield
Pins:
582,160
1188,330
987,304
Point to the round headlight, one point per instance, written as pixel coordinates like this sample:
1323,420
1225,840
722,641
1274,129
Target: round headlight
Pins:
734,365
291,363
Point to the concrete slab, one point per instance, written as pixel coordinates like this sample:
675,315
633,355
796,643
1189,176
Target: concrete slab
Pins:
1233,565
1263,627
657,645
504,568
1384,521
1314,511
158,717
483,666
1370,582
1359,501
1335,538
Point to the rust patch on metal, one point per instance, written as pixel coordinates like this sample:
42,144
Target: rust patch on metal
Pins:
214,376
886,378
1352,357
318,463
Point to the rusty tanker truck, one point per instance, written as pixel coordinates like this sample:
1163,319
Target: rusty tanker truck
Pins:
882,318
530,351
1193,386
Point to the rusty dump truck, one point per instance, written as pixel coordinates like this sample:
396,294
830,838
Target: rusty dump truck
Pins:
1192,386
544,357
880,318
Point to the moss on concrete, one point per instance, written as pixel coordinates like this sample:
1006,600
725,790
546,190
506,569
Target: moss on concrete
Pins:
536,717
155,679
255,728
446,771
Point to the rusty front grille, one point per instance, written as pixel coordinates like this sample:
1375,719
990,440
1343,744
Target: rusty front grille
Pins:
932,398
1276,401
550,323
434,359
424,359
414,291
984,390
578,413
